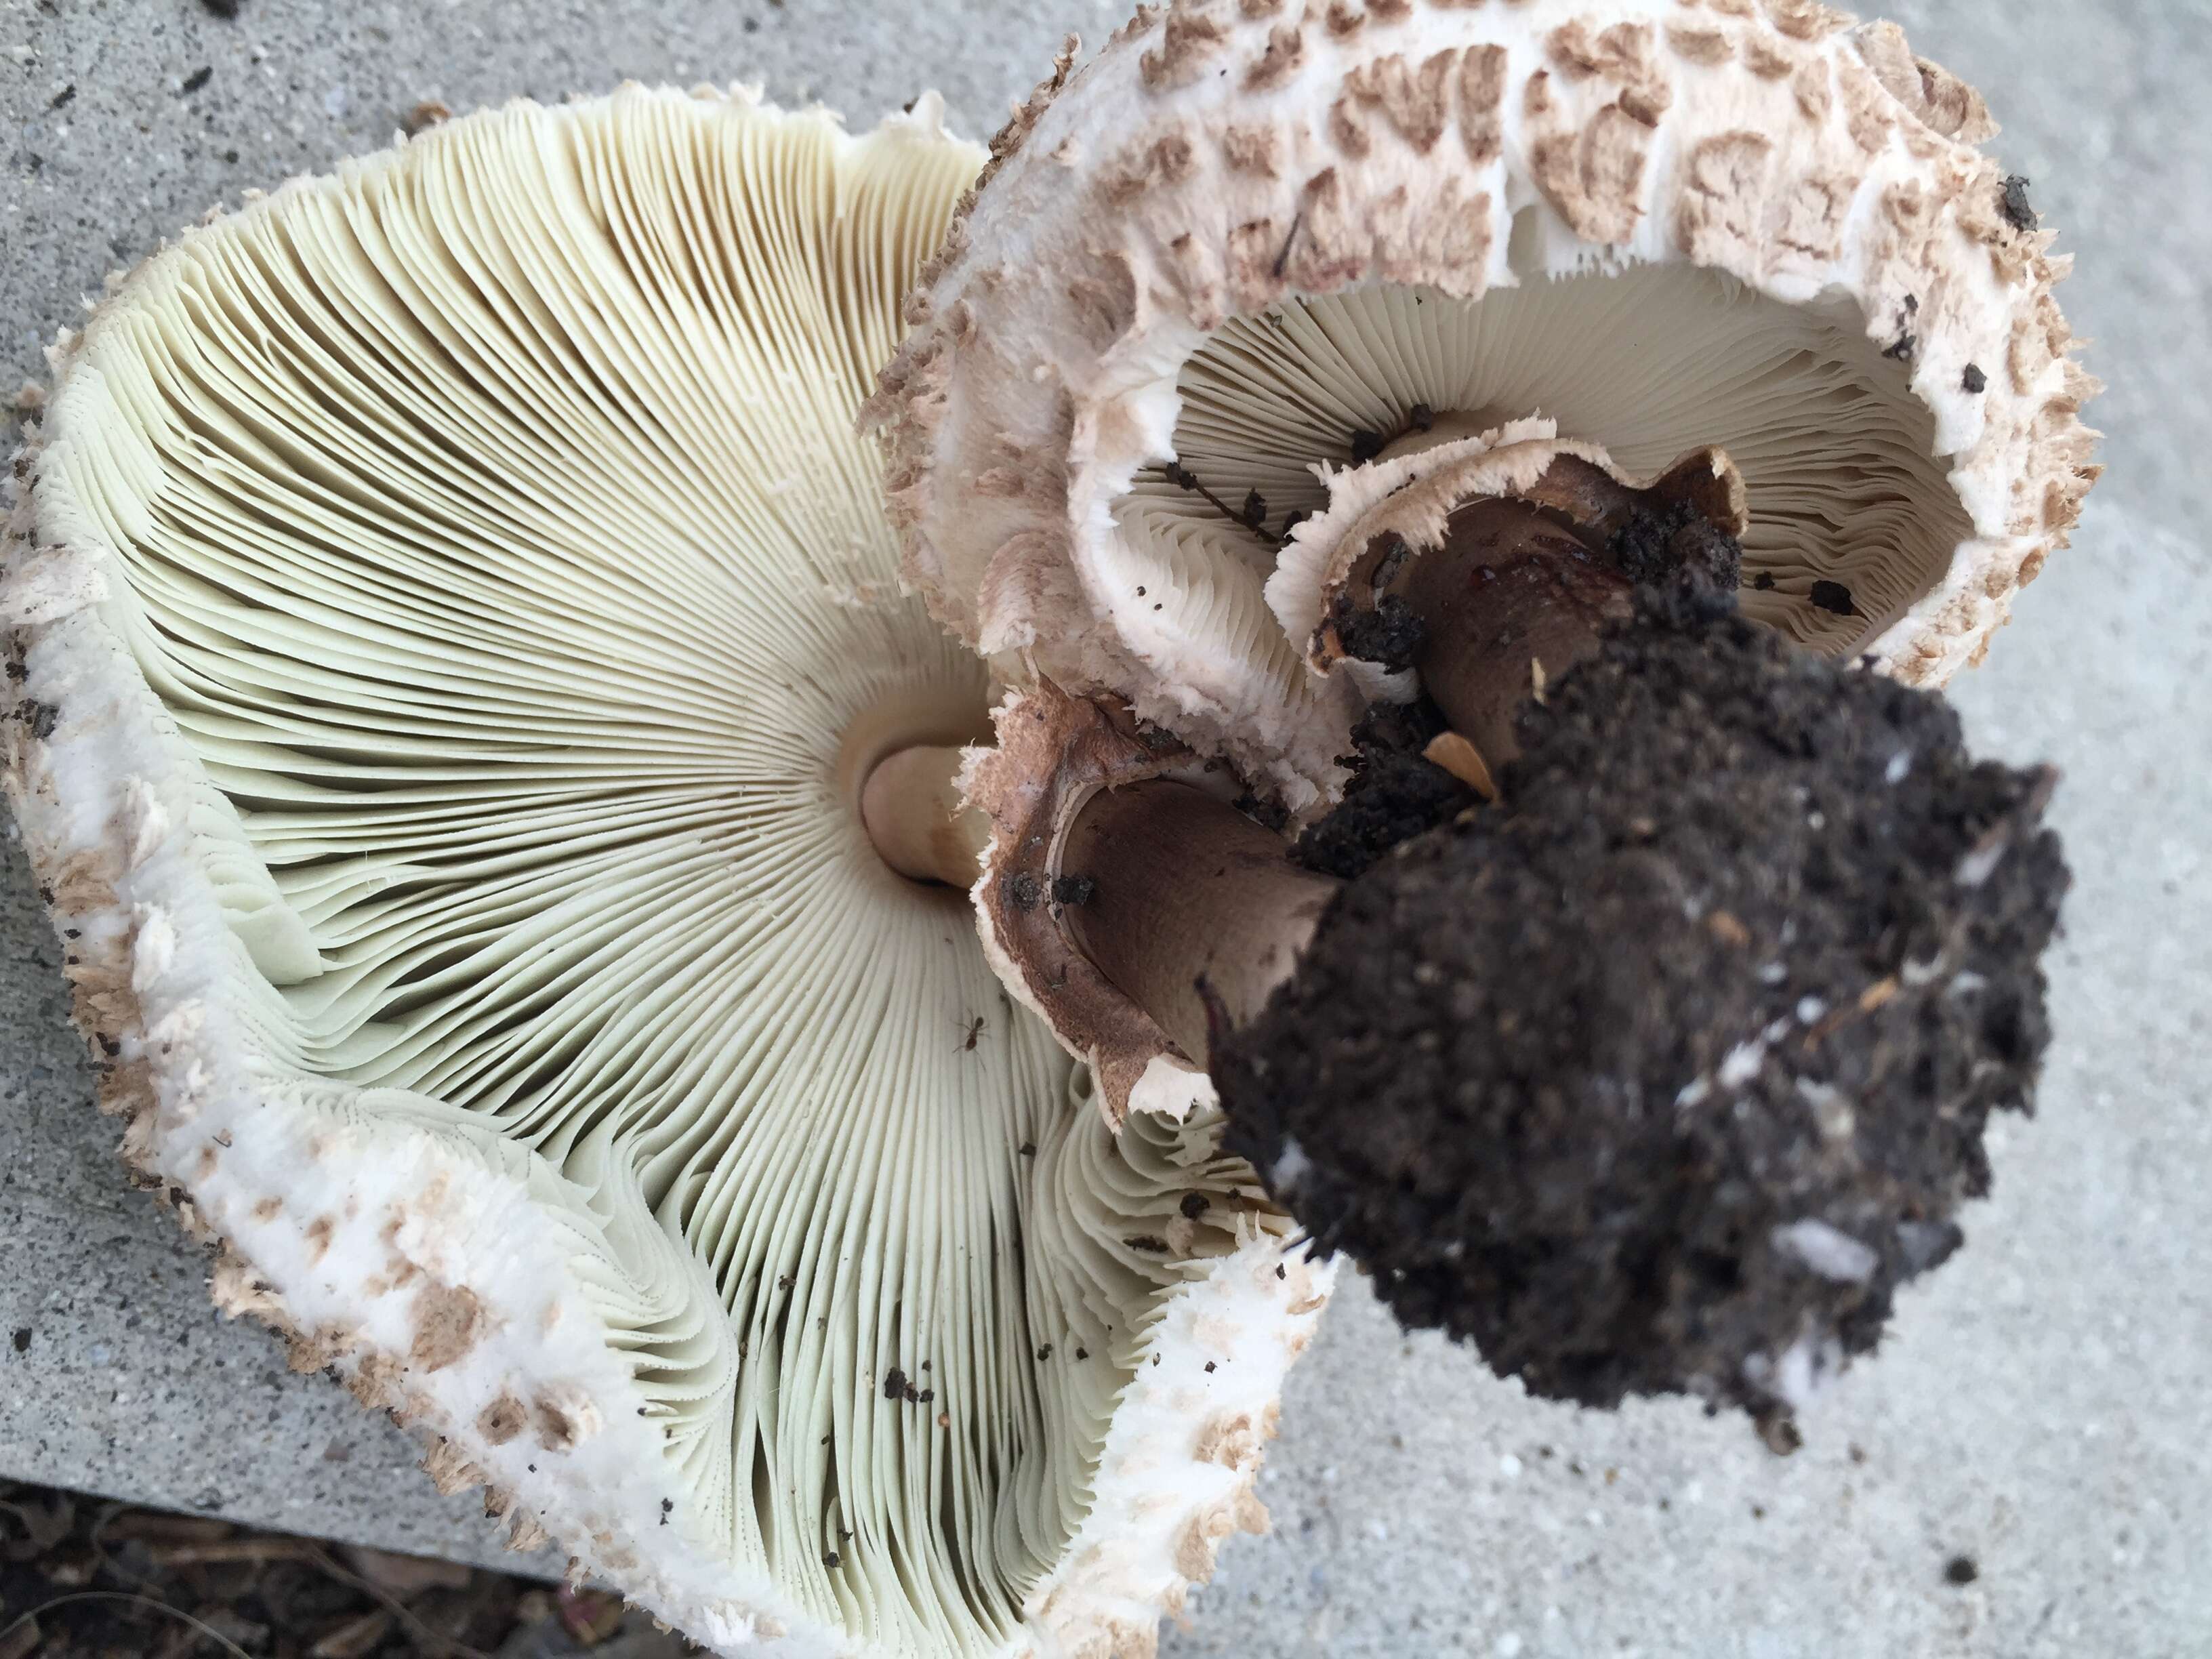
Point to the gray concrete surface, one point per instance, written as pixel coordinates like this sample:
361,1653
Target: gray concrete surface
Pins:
2042,1406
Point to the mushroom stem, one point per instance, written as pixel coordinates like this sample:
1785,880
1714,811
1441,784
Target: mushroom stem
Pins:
912,809
1516,589
1509,602
1195,912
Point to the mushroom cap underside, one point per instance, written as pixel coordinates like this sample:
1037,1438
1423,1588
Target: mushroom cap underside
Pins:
453,617
1210,270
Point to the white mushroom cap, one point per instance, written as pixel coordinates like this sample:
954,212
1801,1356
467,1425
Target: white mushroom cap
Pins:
454,615
1250,228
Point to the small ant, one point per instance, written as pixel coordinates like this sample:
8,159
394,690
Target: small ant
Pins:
974,1029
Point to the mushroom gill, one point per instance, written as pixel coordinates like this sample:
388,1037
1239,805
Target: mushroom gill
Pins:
467,619
1838,456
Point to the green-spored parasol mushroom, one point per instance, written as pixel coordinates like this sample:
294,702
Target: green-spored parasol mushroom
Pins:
1298,364
455,619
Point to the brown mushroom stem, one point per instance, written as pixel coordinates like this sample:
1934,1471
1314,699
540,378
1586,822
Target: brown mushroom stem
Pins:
1177,898
1510,601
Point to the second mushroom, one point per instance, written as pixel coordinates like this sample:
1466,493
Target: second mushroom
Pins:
1305,393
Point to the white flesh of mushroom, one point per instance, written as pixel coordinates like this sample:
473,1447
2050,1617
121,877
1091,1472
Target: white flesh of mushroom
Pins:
455,619
1247,231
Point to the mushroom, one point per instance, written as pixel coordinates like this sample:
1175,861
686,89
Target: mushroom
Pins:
455,620
1266,323
1216,275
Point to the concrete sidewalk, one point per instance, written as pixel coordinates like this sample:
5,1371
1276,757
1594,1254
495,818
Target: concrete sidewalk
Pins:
2041,1410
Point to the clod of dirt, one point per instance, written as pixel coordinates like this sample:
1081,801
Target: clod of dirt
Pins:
1393,795
1663,1075
1676,545
1268,812
1389,634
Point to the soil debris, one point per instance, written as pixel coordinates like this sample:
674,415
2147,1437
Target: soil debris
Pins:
1394,793
1832,597
1663,1074
1389,633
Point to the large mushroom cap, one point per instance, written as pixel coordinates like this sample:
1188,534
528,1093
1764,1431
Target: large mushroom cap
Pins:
453,620
1256,238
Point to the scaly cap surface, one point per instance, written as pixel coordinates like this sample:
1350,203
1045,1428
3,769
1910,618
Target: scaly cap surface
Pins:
1250,229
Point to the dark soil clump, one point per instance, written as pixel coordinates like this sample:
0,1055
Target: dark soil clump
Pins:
1263,811
1833,597
1664,1073
1389,634
1678,544
1393,794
